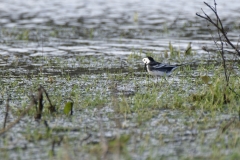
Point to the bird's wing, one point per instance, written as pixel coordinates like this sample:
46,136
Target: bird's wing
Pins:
163,67
158,66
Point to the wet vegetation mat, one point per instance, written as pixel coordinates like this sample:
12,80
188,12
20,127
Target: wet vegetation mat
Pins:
120,113
68,92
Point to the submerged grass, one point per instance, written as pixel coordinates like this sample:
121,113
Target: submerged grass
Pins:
136,111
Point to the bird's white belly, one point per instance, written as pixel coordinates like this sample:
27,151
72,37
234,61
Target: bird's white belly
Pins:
158,73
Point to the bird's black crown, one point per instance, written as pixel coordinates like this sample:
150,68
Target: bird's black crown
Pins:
150,59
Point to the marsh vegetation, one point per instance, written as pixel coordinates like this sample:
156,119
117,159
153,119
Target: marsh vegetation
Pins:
77,89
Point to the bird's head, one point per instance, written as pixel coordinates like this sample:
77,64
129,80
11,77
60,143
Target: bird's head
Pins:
147,60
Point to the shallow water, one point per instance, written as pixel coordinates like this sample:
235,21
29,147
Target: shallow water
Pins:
98,27
95,44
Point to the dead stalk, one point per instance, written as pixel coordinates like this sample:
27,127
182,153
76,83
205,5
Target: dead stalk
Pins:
6,114
2,131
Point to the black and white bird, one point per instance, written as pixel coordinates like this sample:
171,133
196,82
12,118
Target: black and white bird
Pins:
158,69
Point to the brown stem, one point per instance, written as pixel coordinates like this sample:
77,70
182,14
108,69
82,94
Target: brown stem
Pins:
6,114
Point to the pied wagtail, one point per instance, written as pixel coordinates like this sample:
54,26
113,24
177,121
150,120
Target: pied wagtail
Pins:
158,69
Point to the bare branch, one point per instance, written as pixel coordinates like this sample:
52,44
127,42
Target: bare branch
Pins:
219,22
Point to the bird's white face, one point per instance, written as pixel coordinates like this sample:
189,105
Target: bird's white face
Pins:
146,60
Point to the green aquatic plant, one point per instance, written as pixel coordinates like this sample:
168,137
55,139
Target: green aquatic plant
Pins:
68,108
23,35
165,28
188,50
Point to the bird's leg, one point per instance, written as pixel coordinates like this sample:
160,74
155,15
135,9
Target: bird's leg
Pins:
166,80
148,80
